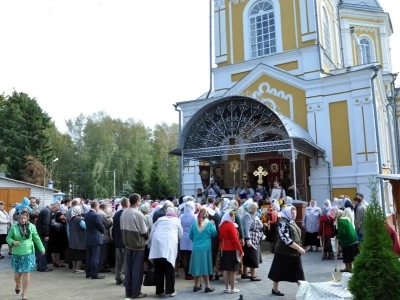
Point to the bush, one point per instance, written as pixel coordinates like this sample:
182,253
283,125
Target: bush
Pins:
376,270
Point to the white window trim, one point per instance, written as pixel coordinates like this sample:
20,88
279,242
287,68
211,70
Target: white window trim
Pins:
324,12
371,44
246,28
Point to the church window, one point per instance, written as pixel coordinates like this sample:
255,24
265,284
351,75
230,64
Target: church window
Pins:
366,51
262,29
326,32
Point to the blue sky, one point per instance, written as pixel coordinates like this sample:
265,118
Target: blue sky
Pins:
130,58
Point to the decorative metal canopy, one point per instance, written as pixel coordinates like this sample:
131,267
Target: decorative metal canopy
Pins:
241,125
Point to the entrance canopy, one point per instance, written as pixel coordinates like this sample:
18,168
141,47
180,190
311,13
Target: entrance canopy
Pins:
242,125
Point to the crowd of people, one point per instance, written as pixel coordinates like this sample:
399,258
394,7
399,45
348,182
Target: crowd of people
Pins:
151,240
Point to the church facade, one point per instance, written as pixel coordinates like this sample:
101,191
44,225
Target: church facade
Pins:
303,89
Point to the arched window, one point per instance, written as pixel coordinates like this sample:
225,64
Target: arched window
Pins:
262,29
327,33
366,51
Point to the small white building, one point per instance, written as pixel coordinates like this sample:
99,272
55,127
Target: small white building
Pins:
12,191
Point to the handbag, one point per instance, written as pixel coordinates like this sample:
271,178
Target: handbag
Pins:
149,278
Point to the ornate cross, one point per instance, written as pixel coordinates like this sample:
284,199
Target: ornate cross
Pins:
260,173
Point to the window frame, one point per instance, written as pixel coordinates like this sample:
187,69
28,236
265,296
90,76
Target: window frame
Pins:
371,47
327,33
247,28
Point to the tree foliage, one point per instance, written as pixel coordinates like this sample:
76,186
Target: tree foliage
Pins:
25,132
140,182
376,270
88,152
160,188
34,171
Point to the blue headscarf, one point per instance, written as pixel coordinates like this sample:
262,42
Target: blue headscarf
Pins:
24,204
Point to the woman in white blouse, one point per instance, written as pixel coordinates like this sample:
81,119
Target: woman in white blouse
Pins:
4,222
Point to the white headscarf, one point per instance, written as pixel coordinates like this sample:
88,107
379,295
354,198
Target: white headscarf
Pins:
76,211
227,218
287,214
275,205
225,204
313,208
210,211
189,208
289,201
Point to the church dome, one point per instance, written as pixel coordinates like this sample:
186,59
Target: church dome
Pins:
362,4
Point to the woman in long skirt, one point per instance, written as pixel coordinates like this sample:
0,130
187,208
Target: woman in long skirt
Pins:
22,237
286,265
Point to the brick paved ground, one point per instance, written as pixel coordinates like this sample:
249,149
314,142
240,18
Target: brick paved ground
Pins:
62,284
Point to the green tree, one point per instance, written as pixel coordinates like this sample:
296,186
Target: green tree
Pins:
34,171
159,188
126,190
165,139
376,270
25,133
140,182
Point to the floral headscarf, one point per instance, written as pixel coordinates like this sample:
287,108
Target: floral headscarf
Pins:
202,219
76,211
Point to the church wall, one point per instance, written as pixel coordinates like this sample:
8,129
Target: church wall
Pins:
295,110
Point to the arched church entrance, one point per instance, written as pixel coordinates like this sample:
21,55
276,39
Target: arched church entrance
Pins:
245,141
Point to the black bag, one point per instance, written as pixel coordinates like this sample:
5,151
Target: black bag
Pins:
149,278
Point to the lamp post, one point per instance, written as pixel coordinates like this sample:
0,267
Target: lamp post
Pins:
114,182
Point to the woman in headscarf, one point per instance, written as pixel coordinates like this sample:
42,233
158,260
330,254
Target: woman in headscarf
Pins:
201,234
286,265
216,218
270,220
22,237
58,238
348,240
163,243
231,250
311,223
349,210
145,208
252,229
225,205
186,246
77,239
326,230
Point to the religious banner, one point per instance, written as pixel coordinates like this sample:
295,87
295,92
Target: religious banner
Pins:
274,168
205,175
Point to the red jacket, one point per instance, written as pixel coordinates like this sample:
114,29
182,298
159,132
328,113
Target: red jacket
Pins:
229,237
395,239
325,226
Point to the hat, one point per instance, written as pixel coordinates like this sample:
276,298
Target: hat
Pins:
170,198
243,196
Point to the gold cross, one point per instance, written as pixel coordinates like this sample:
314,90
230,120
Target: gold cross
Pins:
260,173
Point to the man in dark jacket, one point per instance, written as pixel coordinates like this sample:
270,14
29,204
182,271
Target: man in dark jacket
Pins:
43,229
93,241
119,245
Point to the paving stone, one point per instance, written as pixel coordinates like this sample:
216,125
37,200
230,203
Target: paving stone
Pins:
63,284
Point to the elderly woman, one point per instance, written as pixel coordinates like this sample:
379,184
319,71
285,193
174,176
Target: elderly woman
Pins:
326,230
252,228
270,220
349,210
186,246
230,248
201,234
347,236
146,209
163,243
58,239
77,239
311,223
286,265
4,222
22,237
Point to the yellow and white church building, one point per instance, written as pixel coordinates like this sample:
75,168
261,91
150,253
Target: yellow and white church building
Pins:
302,88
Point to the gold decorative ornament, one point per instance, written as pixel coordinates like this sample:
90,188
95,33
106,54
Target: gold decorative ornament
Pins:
260,173
234,167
